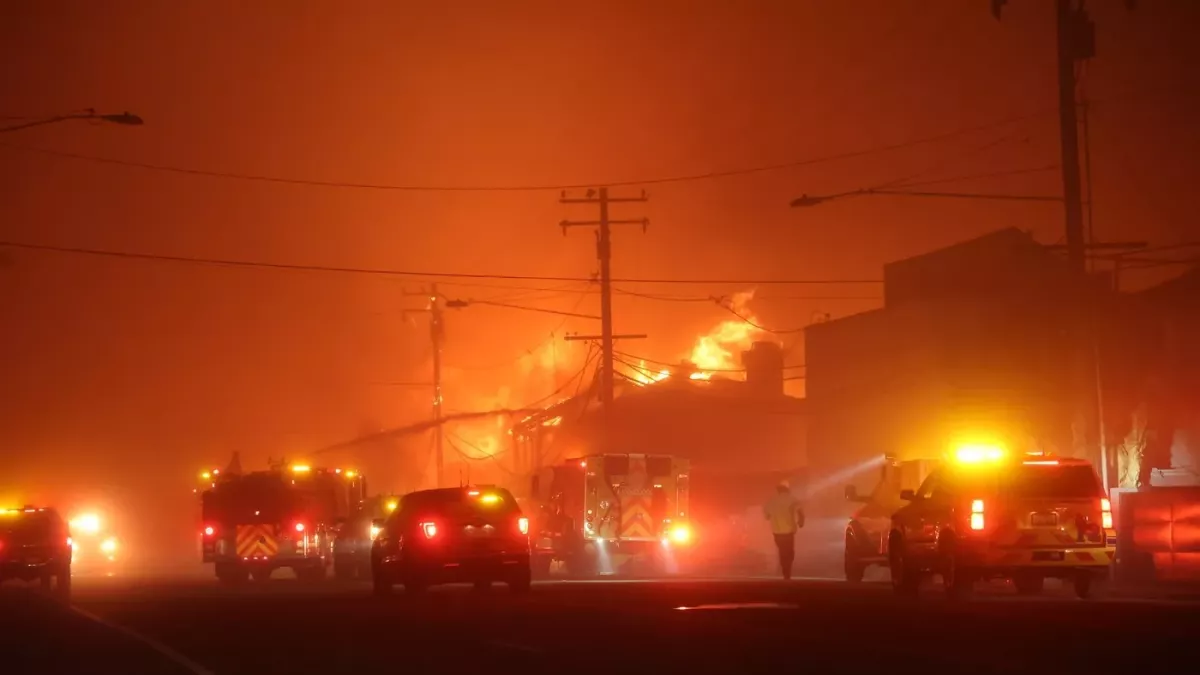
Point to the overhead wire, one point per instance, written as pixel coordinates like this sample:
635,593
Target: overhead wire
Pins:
631,182
536,348
226,262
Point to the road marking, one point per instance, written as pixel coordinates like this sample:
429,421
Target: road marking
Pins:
513,646
174,656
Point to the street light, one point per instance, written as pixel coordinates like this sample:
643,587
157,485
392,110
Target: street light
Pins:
814,200
126,118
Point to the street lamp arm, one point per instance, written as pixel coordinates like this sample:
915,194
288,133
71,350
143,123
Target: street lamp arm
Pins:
967,195
127,118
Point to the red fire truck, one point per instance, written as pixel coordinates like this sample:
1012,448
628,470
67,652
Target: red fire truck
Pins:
285,517
593,514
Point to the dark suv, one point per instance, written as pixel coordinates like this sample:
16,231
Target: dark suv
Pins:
468,534
35,544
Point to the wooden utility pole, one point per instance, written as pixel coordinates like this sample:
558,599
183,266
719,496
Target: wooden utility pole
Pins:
437,334
604,254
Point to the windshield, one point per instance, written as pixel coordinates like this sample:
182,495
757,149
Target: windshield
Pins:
1052,481
28,526
461,502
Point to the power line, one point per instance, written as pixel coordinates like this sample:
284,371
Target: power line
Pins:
705,370
661,180
526,308
225,262
536,348
752,324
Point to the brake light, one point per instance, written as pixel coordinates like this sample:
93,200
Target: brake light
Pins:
1106,517
977,514
523,525
299,527
430,530
209,531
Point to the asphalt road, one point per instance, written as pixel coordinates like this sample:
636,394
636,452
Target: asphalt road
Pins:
194,626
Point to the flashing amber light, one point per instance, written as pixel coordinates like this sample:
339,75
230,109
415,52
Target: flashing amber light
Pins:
473,493
430,530
301,468
681,534
977,514
1106,517
375,530
523,525
88,523
350,473
490,498
1041,462
392,505
974,454
583,463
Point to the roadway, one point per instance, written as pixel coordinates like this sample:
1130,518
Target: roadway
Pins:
181,626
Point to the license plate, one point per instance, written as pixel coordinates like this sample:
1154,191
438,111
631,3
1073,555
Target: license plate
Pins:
1044,519
474,532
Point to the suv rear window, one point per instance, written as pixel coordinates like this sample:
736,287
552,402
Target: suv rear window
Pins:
1053,481
30,526
460,501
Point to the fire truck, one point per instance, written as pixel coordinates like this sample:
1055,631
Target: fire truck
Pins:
352,545
866,532
595,513
285,517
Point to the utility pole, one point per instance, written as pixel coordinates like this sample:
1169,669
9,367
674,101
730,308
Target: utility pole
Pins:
600,198
437,334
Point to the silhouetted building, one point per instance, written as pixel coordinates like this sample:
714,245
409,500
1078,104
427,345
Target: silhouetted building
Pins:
972,339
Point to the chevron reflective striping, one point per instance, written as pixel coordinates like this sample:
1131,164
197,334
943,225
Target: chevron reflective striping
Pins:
256,541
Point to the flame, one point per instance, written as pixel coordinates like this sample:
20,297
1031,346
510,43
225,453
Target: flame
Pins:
720,349
644,375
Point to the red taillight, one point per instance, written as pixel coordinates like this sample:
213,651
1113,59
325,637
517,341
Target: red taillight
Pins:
1106,517
977,514
299,527
430,530
523,525
209,531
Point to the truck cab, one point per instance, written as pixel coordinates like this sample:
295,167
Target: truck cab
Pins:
867,529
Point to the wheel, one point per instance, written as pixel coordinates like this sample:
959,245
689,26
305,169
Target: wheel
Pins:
380,585
311,575
521,582
231,574
1029,584
62,581
906,581
956,581
850,563
540,566
415,586
1083,585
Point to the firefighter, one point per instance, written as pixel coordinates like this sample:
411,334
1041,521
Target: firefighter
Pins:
784,513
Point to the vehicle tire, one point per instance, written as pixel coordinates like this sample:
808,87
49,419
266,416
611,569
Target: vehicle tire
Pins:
311,575
381,586
521,582
539,566
415,587
957,582
906,582
1083,585
853,568
62,584
1029,584
231,575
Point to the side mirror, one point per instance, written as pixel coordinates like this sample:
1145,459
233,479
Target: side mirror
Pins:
851,493
907,495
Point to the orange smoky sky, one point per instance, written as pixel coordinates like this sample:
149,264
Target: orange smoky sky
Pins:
136,372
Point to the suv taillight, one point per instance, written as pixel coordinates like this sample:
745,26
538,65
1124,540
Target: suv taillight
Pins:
977,514
1106,517
209,530
523,525
430,529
